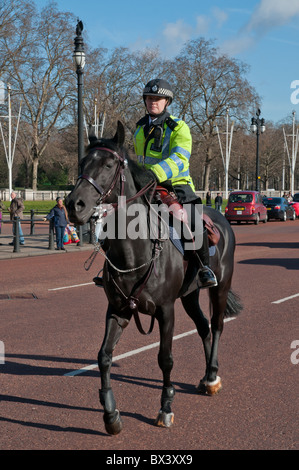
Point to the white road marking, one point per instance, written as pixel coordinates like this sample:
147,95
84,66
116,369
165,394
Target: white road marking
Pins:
136,351
76,285
285,299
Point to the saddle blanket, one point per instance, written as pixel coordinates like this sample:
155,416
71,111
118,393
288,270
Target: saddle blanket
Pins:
177,242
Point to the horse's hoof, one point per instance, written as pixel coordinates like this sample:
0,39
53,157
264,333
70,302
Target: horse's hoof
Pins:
214,387
209,388
164,420
202,387
116,426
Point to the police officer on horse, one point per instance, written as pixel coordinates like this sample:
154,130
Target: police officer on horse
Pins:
163,146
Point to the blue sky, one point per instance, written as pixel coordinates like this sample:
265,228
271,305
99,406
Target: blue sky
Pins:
262,33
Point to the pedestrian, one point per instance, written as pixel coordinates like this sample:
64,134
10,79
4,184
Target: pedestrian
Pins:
16,210
61,221
208,199
218,202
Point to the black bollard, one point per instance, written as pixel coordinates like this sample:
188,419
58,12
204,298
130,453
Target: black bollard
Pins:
16,231
51,234
32,224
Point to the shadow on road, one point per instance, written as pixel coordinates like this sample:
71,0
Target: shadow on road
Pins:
281,245
291,264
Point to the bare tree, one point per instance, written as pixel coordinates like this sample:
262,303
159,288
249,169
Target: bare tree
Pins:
40,70
116,80
207,84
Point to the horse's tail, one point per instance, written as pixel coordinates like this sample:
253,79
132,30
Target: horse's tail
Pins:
233,305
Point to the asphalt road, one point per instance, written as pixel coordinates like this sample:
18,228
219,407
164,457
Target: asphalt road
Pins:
52,324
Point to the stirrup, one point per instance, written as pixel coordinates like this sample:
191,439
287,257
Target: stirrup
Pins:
207,277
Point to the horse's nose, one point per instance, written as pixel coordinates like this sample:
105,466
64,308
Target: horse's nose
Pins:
74,207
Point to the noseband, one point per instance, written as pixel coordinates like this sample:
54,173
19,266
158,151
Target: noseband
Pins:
121,165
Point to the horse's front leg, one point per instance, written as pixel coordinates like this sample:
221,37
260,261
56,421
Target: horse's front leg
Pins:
114,328
165,317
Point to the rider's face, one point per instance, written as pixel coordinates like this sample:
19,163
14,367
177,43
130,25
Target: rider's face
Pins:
155,104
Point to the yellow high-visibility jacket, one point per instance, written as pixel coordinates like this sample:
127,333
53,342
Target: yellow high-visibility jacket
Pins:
172,161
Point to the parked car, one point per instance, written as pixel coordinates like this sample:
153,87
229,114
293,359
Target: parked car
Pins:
296,207
279,208
246,206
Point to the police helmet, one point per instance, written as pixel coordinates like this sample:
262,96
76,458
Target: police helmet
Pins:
158,87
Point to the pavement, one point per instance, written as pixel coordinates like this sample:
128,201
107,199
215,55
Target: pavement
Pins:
36,244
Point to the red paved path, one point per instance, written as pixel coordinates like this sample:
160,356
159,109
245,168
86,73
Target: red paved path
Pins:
61,331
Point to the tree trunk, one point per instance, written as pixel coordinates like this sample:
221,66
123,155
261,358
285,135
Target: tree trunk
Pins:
207,169
35,156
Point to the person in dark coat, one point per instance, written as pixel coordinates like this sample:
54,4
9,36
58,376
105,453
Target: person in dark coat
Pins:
218,202
16,210
208,199
61,221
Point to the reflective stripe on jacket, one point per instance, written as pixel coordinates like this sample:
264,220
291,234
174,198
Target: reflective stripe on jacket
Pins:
172,162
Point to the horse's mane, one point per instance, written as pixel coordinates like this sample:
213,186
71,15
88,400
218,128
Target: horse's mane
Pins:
140,175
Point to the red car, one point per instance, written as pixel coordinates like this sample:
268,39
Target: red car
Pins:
246,206
296,207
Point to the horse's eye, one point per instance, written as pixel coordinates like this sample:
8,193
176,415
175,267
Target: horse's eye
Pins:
108,166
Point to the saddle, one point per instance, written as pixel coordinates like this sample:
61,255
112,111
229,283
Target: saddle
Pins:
177,210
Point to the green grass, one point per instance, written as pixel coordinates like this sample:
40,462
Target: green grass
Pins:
42,207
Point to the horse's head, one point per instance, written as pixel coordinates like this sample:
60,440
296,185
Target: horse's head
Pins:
100,173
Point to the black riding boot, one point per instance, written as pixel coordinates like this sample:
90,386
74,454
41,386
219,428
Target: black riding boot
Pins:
205,274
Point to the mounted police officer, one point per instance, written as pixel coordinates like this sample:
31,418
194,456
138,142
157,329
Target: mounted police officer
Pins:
163,146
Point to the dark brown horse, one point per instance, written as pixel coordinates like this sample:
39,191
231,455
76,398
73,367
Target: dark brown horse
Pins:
130,272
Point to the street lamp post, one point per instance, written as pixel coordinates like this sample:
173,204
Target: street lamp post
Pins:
257,127
79,60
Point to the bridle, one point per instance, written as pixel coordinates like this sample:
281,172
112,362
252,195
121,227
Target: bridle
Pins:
119,172
122,164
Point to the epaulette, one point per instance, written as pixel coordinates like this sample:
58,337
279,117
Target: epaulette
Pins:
171,123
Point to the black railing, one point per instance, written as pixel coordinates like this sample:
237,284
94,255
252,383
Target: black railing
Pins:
33,221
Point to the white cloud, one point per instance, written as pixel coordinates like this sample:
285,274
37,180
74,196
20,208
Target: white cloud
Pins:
178,33
220,16
271,14
268,15
202,25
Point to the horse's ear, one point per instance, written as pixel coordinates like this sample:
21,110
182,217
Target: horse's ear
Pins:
91,134
119,137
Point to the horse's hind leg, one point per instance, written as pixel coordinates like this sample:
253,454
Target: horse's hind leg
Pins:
191,305
113,331
218,296
165,317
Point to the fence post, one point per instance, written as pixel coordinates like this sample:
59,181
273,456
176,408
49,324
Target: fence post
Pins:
80,230
16,231
32,223
51,234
